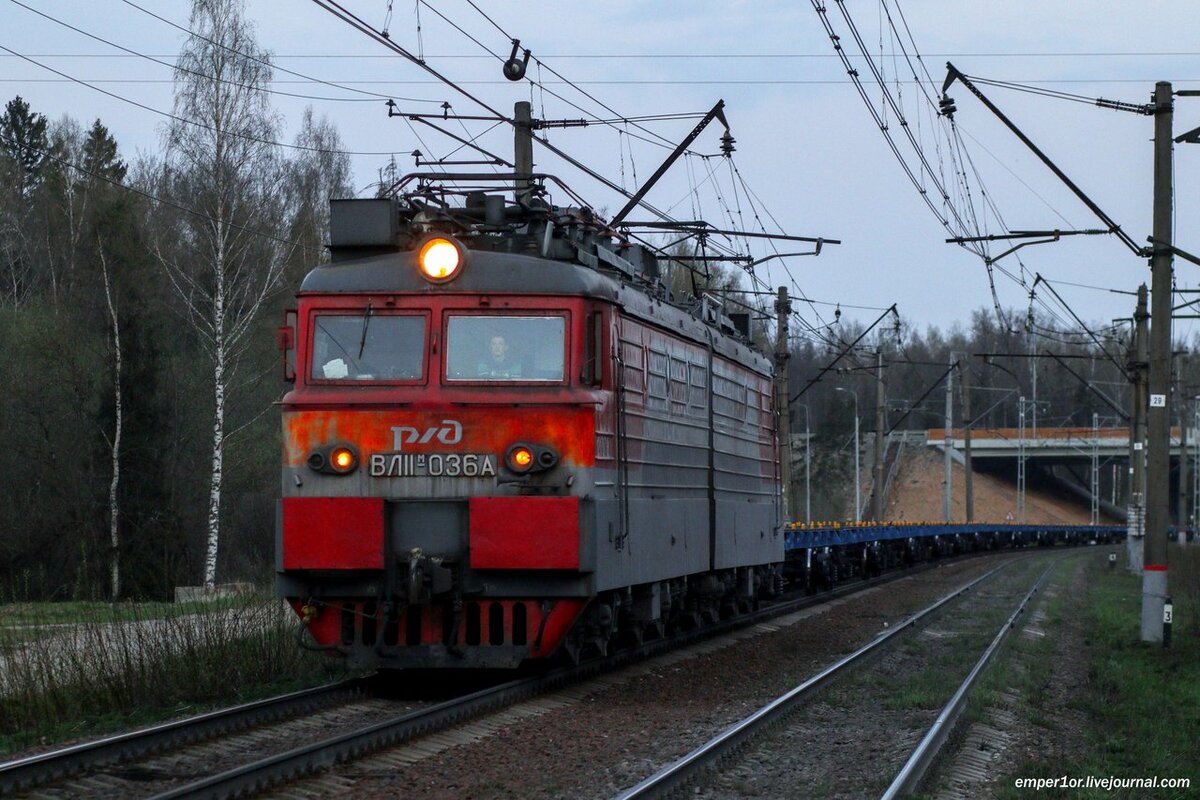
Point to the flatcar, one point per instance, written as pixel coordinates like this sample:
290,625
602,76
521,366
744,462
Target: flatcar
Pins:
507,440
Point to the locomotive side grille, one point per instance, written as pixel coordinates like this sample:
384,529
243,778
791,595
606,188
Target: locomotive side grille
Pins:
369,626
471,610
495,624
520,623
348,616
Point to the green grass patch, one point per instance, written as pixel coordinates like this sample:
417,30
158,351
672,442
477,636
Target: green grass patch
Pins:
1142,701
927,689
62,681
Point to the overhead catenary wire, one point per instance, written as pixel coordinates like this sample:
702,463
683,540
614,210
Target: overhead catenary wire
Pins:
899,113
541,84
625,120
339,11
541,64
916,181
702,55
605,82
186,121
161,62
1110,356
251,56
358,24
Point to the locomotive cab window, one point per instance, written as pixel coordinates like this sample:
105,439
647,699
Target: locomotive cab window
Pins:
368,347
506,348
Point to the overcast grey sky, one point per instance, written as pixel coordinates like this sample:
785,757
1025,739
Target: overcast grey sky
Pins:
807,147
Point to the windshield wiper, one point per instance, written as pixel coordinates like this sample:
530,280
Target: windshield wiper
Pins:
362,342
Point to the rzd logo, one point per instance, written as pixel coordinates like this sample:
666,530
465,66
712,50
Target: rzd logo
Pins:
449,432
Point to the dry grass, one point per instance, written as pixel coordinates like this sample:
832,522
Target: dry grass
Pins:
113,669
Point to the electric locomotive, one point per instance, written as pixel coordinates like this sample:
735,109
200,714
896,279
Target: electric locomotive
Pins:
507,440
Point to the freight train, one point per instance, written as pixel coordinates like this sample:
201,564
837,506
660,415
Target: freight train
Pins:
508,440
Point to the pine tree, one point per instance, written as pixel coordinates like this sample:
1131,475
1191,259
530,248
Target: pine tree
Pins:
24,142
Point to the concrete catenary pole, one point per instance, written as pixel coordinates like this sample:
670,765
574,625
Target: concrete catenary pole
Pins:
1137,432
965,389
783,308
1158,414
1183,516
948,443
877,497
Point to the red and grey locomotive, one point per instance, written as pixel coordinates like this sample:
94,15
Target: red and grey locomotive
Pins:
506,441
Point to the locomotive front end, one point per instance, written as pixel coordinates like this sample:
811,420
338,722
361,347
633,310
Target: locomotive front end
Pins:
438,451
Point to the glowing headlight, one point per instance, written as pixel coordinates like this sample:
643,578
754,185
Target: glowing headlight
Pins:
523,458
520,458
440,260
337,460
342,459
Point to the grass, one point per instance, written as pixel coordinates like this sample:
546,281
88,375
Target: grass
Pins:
931,687
1141,700
108,672
41,615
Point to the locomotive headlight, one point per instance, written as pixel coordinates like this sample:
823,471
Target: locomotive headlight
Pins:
342,459
338,459
520,458
440,260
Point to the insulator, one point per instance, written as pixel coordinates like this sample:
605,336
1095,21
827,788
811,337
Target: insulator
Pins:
727,147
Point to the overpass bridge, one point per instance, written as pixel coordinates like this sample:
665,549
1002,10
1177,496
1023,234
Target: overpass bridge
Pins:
1092,463
1058,445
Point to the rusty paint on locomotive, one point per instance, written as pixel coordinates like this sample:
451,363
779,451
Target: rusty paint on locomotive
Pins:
570,431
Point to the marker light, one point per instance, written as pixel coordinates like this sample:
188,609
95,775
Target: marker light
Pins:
440,260
334,459
520,458
342,459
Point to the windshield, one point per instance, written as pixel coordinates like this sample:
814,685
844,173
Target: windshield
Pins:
496,348
357,347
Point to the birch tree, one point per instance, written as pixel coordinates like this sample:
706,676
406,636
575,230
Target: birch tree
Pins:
221,162
114,444
320,170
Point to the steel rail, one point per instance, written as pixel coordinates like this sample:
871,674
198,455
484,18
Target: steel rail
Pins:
308,758
908,780
39,769
676,775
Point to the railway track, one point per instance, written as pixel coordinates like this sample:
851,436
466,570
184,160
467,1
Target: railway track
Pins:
212,755
128,764
926,753
747,758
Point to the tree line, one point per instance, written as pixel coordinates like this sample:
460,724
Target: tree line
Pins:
137,308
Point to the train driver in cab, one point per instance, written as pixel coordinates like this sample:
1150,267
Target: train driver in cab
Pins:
499,363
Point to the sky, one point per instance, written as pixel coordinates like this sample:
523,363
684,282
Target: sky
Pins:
810,159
